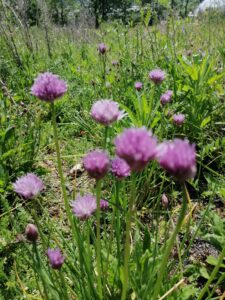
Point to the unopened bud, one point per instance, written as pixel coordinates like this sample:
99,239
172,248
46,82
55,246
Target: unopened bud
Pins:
31,233
165,201
104,205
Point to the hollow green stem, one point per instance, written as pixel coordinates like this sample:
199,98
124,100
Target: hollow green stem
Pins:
117,220
171,242
59,162
98,240
64,286
130,213
39,271
63,186
106,136
213,274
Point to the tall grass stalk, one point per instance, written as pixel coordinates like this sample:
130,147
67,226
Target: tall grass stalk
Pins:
59,162
98,241
127,238
171,242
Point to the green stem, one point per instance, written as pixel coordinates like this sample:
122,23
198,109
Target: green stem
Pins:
62,180
39,271
34,269
64,288
215,286
117,220
213,274
63,186
171,242
106,136
98,240
130,213
43,240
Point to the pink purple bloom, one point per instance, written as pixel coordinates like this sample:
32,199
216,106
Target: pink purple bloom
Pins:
120,168
96,163
56,258
84,206
157,76
138,86
48,87
102,48
115,63
104,205
178,119
166,98
31,233
178,158
28,186
106,112
137,147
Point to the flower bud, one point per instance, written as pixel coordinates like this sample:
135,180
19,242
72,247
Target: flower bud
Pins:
165,201
31,233
104,205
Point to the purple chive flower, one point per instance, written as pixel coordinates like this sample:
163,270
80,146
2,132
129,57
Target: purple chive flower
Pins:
31,233
178,158
104,205
48,87
178,119
115,63
56,258
138,86
106,112
84,206
96,163
137,147
157,76
166,98
102,48
28,186
120,168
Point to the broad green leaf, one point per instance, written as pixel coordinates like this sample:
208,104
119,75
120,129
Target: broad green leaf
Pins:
205,122
204,273
211,260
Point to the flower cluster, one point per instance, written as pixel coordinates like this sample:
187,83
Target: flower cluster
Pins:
138,86
119,168
56,258
96,163
84,206
48,87
157,76
137,147
166,97
178,119
106,112
102,48
178,158
28,186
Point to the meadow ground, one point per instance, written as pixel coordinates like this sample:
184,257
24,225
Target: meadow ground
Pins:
189,256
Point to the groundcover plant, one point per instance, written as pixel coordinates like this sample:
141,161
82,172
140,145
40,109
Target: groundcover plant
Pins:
112,173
